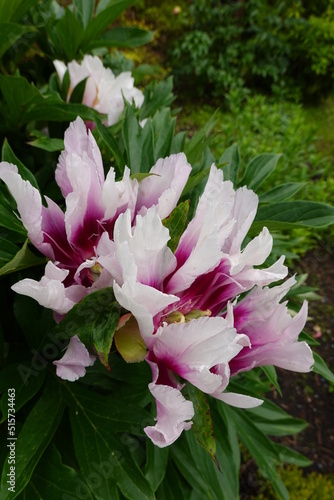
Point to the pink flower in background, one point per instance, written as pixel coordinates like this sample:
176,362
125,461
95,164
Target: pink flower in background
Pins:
104,91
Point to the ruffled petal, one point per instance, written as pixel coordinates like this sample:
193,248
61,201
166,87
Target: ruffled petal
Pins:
29,205
81,143
244,211
50,292
84,208
173,415
144,248
192,349
75,361
254,254
164,188
144,302
119,196
272,331
199,250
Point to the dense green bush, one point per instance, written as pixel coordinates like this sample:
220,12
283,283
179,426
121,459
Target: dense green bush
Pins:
309,488
280,47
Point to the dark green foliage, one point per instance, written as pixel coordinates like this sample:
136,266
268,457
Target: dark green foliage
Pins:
281,47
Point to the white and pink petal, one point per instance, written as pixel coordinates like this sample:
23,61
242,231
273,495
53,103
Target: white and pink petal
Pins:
163,189
50,291
76,359
174,414
144,302
193,349
29,205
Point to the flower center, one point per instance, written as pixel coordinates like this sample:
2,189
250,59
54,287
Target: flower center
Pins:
178,317
95,271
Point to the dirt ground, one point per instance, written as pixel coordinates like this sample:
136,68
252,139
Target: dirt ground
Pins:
309,396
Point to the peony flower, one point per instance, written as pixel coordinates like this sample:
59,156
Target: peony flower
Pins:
104,91
74,240
179,300
182,306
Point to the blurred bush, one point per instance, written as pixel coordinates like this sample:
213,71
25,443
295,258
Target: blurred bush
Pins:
281,47
311,487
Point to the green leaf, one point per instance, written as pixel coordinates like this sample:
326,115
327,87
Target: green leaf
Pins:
157,96
9,220
156,464
175,223
66,36
46,483
202,421
15,9
138,142
143,70
261,448
138,374
11,376
54,109
295,213
195,180
321,368
106,14
7,250
111,145
194,148
83,10
18,94
108,456
9,156
282,192
270,372
163,129
10,33
46,143
36,434
174,486
65,85
123,37
291,456
259,169
190,460
232,157
22,260
94,319
78,92
36,323
310,340
281,427
228,450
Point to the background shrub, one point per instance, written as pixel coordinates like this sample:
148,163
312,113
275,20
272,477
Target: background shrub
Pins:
280,47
